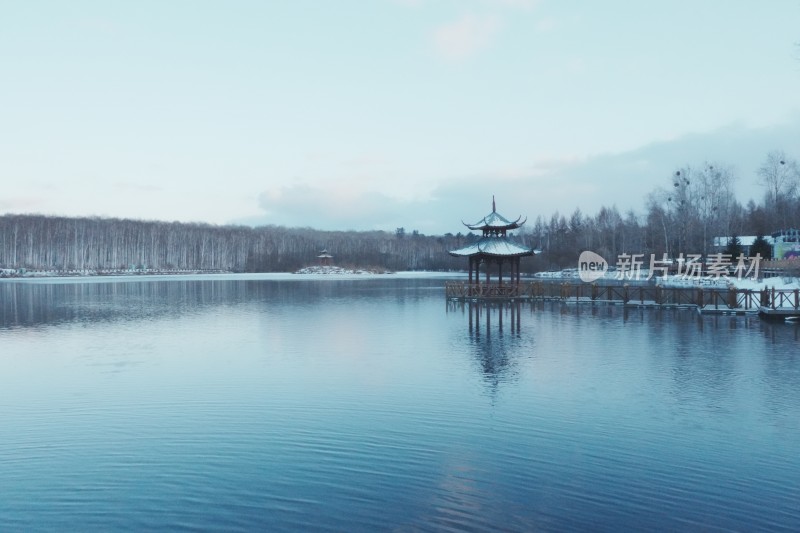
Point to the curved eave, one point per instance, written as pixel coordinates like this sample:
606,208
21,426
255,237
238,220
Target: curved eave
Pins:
496,222
493,247
455,253
466,251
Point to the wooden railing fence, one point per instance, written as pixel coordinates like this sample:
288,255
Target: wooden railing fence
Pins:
704,298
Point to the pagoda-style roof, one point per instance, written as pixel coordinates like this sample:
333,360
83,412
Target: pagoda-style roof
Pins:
494,242
493,247
495,222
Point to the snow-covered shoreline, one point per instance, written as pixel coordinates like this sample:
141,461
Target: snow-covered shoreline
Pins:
344,274
679,281
335,270
9,273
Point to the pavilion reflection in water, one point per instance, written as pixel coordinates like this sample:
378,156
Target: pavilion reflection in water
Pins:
490,302
484,316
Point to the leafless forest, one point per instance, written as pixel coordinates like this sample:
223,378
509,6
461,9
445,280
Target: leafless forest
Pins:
40,242
695,205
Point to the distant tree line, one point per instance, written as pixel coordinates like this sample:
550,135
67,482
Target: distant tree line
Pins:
39,242
695,205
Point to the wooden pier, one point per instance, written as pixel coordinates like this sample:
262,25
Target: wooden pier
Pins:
706,300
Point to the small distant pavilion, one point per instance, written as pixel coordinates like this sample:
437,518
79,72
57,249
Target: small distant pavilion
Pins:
325,258
494,246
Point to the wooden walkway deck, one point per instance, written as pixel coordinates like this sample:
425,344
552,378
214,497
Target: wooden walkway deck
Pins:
706,300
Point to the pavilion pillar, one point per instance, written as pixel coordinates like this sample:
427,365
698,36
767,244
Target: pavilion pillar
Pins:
500,271
476,266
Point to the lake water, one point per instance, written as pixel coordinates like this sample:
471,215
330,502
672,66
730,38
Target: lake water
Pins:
285,403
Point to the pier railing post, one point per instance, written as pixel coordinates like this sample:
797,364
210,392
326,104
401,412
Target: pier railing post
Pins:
729,298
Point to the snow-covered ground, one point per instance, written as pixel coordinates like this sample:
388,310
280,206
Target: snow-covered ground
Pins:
24,273
330,269
688,282
767,283
745,283
785,283
559,274
611,275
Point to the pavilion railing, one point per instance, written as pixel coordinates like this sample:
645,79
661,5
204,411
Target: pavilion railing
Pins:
482,290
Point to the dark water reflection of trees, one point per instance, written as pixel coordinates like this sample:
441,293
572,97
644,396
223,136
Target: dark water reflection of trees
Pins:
53,301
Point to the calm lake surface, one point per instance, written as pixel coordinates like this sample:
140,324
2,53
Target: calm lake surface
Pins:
288,403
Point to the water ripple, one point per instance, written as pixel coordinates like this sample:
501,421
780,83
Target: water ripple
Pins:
360,406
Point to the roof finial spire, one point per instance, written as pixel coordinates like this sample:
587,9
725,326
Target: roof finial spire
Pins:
494,209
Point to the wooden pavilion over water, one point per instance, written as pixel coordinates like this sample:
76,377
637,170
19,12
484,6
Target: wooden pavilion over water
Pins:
494,247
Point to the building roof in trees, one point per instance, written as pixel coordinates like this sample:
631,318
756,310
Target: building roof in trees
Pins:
744,240
786,235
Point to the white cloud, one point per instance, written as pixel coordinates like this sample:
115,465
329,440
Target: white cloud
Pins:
514,4
21,204
540,187
547,24
465,36
519,4
575,66
332,206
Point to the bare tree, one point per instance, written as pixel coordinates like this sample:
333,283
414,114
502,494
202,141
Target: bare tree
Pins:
780,176
714,201
659,220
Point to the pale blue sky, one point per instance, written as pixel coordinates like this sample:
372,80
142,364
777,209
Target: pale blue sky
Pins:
384,113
